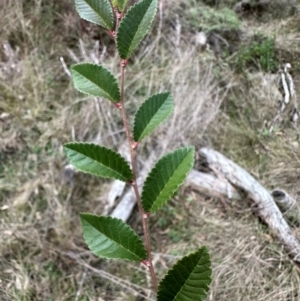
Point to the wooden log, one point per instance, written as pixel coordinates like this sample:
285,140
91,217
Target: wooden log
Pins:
211,185
266,208
115,193
127,202
289,207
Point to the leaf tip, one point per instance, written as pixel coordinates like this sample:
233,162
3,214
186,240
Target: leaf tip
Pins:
195,277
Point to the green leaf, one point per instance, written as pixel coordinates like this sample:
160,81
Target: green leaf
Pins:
120,4
188,280
95,80
111,238
165,178
134,26
98,160
96,11
151,113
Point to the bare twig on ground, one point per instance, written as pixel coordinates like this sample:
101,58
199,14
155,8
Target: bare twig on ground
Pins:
131,287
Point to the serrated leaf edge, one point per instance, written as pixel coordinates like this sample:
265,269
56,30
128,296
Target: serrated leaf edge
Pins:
113,79
128,11
204,250
190,167
144,103
107,26
103,147
128,227
122,8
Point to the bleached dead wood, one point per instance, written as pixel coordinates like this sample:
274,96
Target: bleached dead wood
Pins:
265,205
283,200
199,181
287,205
214,186
211,185
287,89
117,189
128,201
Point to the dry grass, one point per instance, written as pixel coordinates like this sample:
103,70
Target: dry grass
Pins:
247,262
42,253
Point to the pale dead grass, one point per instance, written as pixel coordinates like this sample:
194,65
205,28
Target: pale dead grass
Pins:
286,34
194,89
254,267
247,263
271,156
43,256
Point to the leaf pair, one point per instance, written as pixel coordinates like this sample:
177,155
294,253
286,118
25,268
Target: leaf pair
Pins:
133,27
161,183
111,238
96,80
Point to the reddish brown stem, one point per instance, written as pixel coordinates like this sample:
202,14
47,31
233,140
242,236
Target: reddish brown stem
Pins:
134,183
132,146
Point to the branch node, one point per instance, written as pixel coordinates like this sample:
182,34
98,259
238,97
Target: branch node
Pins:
145,263
120,15
124,62
146,215
132,183
134,145
118,105
112,33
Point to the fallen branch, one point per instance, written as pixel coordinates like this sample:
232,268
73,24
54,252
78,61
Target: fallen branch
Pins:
125,206
266,208
118,187
199,181
211,185
287,205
